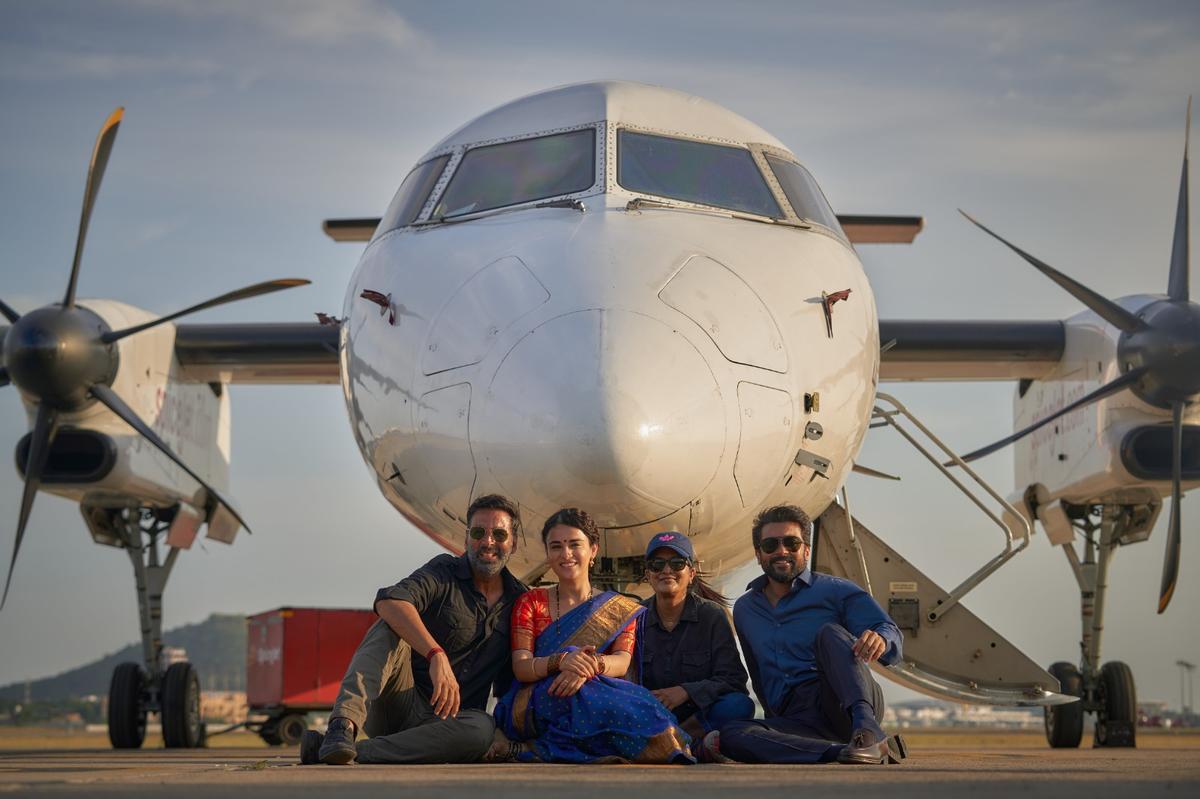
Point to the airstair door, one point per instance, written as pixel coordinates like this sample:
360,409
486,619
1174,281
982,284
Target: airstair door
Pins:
956,657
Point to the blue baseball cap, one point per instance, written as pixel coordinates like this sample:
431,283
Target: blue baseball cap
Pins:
672,540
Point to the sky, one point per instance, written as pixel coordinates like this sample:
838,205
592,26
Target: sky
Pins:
1059,124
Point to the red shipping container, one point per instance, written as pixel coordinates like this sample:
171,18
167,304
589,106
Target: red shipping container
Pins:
296,657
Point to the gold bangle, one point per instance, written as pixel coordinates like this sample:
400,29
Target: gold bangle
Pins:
603,666
553,663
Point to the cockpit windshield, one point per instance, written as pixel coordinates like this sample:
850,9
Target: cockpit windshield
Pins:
803,193
413,193
696,172
522,171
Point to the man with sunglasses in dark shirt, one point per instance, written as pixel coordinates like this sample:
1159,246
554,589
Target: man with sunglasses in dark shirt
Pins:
808,639
418,683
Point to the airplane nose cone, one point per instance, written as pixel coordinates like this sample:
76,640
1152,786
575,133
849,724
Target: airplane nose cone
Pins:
625,417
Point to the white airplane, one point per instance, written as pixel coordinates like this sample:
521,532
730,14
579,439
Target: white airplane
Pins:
628,299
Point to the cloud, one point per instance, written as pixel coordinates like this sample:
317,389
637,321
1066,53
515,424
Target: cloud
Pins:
305,21
23,63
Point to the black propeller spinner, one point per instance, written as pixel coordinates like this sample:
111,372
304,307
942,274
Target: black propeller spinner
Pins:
1158,353
65,357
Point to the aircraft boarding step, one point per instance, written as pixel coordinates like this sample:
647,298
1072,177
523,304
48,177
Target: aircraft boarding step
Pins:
948,651
957,657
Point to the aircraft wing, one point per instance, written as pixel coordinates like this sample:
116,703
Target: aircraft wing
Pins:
859,228
258,353
969,350
923,350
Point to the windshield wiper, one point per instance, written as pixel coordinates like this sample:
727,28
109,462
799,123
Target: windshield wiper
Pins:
638,203
646,202
467,217
569,203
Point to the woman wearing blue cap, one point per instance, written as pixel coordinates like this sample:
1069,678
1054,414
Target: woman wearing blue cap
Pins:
689,659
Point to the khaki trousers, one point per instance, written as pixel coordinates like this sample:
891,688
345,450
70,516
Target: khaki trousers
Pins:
378,694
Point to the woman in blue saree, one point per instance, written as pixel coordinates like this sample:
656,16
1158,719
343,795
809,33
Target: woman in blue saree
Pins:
572,647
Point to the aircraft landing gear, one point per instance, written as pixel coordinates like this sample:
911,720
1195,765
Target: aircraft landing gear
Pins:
1116,718
1107,691
1064,723
127,707
138,689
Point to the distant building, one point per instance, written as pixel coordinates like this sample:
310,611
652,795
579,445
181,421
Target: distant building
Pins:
173,654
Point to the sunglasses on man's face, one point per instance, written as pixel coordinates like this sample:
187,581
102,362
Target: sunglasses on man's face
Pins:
791,543
499,534
658,564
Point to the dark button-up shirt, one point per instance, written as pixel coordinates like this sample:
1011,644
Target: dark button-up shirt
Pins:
699,654
474,636
778,640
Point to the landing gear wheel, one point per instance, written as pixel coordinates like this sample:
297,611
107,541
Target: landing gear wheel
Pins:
1116,723
182,726
291,729
127,707
1064,723
269,732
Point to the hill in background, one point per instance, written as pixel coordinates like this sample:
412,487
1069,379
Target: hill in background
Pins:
216,646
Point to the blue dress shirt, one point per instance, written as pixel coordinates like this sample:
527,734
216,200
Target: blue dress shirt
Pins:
777,640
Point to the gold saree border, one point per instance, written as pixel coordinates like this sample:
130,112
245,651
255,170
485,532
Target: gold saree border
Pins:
520,711
611,617
664,745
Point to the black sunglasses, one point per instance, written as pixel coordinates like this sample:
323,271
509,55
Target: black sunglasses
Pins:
658,564
791,543
499,534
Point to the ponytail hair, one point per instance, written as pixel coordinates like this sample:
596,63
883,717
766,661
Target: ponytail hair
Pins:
700,587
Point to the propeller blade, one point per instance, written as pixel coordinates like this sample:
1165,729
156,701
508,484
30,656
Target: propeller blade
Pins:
114,403
1105,308
1177,283
869,472
1171,558
39,450
256,290
100,153
8,313
1111,387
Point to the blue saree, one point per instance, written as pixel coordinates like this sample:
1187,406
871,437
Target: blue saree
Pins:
608,717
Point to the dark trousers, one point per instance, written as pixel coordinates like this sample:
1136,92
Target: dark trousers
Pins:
815,724
378,694
732,706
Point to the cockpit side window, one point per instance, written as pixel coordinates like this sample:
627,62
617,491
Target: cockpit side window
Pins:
412,195
693,171
498,175
803,193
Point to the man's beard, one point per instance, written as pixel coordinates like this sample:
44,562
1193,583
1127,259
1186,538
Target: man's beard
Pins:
487,568
794,569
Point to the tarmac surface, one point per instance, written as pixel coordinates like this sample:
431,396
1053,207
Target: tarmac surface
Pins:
974,765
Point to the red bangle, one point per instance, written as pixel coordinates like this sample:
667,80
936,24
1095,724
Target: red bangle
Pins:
436,650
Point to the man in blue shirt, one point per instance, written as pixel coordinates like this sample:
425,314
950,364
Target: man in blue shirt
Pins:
808,639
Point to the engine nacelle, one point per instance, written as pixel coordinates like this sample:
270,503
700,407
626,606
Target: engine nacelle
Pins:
100,462
1116,451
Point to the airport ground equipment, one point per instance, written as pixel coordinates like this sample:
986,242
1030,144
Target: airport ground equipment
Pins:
295,661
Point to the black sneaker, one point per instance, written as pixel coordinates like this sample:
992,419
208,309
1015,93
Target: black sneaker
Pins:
337,745
310,748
